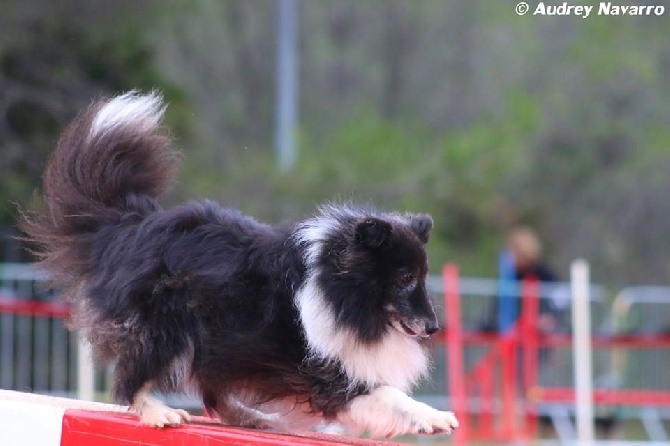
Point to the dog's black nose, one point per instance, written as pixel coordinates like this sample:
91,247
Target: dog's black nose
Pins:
431,328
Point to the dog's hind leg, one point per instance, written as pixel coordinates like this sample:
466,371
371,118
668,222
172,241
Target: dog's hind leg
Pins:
146,365
154,412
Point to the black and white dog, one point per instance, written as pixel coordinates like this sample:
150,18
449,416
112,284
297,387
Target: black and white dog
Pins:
275,327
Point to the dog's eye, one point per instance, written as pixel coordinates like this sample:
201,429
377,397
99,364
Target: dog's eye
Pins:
407,278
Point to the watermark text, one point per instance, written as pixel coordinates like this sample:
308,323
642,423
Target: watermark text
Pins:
584,11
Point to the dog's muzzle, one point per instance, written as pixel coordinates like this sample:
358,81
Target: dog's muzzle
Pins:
415,327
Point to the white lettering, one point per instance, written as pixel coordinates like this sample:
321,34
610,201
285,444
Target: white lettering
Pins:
607,8
563,9
604,8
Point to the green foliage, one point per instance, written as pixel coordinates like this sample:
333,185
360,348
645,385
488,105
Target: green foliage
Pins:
456,177
54,70
462,109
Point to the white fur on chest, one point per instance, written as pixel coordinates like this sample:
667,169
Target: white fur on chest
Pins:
398,360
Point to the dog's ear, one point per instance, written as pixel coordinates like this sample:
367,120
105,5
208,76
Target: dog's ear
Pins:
373,232
421,225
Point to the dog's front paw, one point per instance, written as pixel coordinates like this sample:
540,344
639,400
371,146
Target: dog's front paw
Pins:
160,416
427,421
387,412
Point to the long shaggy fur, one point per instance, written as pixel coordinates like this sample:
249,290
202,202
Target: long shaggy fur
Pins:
250,316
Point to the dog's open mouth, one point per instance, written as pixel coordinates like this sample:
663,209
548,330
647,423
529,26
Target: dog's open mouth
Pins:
406,329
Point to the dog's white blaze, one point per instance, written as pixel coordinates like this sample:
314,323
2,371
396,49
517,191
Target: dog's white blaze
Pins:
397,360
313,236
141,111
313,233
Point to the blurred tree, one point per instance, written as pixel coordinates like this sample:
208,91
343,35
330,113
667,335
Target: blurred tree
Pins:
55,58
460,108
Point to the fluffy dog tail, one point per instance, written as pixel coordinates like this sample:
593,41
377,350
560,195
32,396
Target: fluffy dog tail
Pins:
112,162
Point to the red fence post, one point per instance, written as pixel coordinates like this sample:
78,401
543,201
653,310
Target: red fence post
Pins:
454,352
530,291
486,403
508,360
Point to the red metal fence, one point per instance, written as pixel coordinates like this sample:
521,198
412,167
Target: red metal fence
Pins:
504,382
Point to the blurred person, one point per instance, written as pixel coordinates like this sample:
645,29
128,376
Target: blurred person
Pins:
521,260
525,249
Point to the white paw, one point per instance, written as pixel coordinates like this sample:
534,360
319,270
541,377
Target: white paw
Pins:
161,416
387,412
428,421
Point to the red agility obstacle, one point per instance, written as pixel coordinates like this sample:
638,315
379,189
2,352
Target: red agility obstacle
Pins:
29,419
